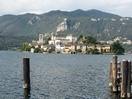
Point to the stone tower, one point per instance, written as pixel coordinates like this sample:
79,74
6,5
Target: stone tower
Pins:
41,36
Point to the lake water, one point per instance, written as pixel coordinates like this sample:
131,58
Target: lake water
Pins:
56,76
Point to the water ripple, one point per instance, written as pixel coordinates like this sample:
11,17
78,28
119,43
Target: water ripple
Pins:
55,76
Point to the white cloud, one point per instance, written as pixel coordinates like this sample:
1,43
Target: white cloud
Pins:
120,7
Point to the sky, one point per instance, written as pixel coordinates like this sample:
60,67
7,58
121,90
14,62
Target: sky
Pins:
16,7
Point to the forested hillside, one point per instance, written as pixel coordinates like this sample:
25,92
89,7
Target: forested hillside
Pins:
102,25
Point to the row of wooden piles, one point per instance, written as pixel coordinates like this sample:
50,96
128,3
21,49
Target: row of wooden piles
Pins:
120,77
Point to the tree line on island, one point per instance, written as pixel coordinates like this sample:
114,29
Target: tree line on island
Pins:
116,47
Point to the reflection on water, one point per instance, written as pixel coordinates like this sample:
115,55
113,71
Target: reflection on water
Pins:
56,76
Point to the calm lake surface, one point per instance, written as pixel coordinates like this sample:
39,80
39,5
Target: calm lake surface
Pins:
56,76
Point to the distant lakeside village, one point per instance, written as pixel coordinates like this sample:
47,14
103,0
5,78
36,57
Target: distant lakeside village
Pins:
70,44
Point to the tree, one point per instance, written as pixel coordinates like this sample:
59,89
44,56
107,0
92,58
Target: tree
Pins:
87,40
117,48
25,47
38,50
93,51
79,50
91,40
80,37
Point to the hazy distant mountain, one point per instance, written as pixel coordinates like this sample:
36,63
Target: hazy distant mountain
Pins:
33,23
92,22
80,13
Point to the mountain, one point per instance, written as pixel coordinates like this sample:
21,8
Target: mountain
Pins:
92,22
33,23
80,13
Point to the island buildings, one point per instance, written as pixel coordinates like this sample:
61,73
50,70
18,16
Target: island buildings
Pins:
67,43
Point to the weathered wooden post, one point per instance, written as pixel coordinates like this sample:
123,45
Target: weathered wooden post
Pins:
124,79
26,93
114,73
129,80
119,76
119,69
110,77
26,73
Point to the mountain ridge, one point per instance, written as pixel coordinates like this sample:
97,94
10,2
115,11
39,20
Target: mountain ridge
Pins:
9,24
88,13
99,24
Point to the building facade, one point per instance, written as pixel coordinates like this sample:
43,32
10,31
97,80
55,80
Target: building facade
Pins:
60,40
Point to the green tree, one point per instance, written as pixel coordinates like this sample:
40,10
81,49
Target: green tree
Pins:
38,50
93,51
117,48
90,40
80,37
79,50
87,40
25,47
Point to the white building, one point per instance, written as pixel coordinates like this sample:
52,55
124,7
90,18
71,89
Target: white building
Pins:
64,39
41,36
129,42
32,50
59,40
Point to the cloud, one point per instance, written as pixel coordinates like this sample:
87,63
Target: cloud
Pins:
120,7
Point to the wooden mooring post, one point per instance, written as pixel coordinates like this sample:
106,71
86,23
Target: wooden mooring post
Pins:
26,73
124,79
113,74
110,78
129,80
120,78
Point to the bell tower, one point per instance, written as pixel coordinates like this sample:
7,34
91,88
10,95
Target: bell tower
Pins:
41,36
